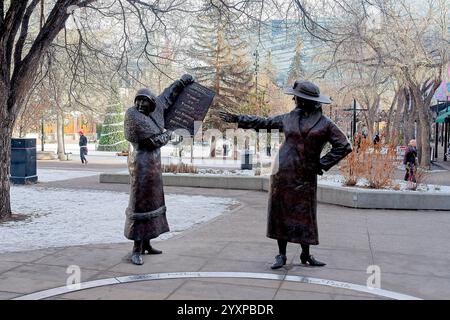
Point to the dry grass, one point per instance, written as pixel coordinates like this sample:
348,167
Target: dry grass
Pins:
421,175
376,164
179,168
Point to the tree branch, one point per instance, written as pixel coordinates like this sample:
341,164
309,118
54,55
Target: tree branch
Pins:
23,32
2,13
23,75
8,32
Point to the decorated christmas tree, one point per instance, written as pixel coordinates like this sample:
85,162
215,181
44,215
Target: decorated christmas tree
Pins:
112,137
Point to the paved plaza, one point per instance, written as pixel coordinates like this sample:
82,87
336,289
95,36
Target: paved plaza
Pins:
229,257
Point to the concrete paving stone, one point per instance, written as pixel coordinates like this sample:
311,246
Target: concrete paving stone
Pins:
425,244
6,265
26,286
358,277
242,282
227,265
349,259
356,297
298,286
434,288
329,227
192,248
36,277
301,295
231,231
145,290
413,264
409,223
342,240
8,295
163,263
92,258
294,286
27,256
253,251
405,244
123,246
193,290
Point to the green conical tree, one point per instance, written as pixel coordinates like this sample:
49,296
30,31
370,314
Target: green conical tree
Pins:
112,137
296,67
221,60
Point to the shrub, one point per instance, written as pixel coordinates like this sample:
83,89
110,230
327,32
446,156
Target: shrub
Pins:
374,163
179,168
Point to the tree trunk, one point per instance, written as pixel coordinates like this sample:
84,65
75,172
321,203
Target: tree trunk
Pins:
398,118
389,121
212,150
425,128
5,160
419,140
410,117
425,160
59,135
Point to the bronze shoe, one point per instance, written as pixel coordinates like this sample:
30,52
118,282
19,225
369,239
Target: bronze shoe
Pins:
311,261
280,260
147,247
136,259
151,250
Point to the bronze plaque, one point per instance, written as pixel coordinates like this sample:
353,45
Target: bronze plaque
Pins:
191,105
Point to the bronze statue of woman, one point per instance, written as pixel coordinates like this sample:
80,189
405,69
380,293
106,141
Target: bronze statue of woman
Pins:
292,215
144,128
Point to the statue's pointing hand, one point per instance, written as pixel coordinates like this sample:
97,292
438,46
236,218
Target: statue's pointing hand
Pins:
228,117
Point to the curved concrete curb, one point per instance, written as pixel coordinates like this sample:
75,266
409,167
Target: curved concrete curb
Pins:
183,275
344,196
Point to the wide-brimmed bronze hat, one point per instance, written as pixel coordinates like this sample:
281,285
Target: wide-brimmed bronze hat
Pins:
309,91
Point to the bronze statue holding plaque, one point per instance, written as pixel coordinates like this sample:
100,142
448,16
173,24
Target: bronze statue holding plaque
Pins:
145,128
191,105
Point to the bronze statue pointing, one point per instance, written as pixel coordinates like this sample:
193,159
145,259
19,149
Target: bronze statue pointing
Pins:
144,128
292,205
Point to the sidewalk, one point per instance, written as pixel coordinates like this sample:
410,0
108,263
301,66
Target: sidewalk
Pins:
410,247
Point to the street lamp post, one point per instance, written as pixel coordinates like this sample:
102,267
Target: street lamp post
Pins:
354,109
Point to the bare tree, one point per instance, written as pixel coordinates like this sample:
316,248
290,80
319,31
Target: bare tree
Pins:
409,43
29,28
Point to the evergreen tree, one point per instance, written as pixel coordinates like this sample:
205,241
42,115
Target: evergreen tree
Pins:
296,70
112,137
222,62
269,71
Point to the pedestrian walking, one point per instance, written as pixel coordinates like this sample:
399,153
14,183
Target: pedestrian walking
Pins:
83,147
410,161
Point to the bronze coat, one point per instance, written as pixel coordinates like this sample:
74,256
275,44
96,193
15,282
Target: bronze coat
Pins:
146,212
292,205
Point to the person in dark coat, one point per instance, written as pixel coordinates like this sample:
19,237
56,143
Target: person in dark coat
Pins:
83,147
144,128
410,161
293,193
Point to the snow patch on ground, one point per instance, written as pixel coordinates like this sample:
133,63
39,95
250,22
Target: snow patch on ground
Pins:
62,217
48,175
338,180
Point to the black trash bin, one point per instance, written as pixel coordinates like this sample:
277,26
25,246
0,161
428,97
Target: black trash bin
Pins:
247,160
23,161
